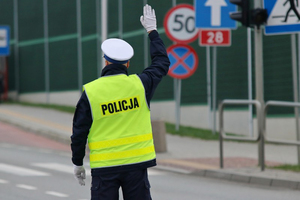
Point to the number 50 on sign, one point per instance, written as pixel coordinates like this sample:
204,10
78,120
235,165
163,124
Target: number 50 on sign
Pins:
179,24
215,37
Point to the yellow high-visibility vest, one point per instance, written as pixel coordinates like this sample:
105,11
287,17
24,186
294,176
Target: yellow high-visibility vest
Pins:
121,132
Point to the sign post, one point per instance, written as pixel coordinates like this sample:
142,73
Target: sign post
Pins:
212,17
179,25
4,52
284,18
4,40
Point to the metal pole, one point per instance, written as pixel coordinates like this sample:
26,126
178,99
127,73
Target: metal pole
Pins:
103,24
250,81
259,91
299,69
299,63
98,24
121,19
259,84
79,44
173,3
16,48
177,92
178,98
221,136
298,136
214,93
5,95
146,47
295,85
46,53
176,104
208,82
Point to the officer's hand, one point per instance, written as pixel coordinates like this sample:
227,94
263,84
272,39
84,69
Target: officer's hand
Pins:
148,19
79,173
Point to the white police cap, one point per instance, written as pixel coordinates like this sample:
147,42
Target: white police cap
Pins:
117,50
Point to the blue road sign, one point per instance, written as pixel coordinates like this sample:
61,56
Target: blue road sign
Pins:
283,16
184,61
4,40
214,14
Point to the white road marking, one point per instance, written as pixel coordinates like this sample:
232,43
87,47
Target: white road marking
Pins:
70,170
6,145
3,181
45,151
60,167
153,172
24,148
20,170
65,154
57,194
27,187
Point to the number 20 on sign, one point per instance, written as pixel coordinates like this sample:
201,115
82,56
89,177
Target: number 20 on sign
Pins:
215,37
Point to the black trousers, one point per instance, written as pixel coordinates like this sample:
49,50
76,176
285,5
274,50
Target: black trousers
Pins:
135,186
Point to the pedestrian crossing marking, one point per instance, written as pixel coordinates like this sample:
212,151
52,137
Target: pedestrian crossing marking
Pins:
69,168
3,181
57,194
27,187
59,167
153,172
21,171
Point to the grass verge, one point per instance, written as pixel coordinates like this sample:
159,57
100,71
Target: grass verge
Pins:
191,132
69,109
294,168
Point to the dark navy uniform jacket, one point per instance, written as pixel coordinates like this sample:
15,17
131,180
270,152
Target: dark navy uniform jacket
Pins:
150,77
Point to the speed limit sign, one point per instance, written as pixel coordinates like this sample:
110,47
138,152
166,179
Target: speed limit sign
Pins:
179,24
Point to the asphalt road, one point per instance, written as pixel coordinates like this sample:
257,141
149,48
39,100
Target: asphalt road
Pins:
34,168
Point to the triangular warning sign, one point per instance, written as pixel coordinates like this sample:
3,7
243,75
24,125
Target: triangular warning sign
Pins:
284,12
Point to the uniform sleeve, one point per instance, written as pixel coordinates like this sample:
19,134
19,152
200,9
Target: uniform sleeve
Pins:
82,122
159,67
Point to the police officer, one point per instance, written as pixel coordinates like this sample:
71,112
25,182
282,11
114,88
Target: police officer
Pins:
113,115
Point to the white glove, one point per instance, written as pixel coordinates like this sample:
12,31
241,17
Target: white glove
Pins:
79,173
148,19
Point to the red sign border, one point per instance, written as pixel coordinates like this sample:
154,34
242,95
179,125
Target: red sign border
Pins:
220,45
195,64
166,24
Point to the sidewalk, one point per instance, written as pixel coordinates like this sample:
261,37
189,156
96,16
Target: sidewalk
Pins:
184,155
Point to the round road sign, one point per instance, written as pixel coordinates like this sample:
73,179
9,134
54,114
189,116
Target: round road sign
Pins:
179,24
184,61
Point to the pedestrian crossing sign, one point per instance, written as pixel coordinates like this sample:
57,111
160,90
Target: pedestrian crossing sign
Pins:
283,16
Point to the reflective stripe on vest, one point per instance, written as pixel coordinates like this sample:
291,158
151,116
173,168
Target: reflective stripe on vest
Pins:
121,132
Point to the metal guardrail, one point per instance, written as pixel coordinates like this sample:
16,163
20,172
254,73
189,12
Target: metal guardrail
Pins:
282,104
261,119
221,124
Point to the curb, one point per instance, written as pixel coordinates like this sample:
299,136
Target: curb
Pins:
251,179
51,134
235,177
